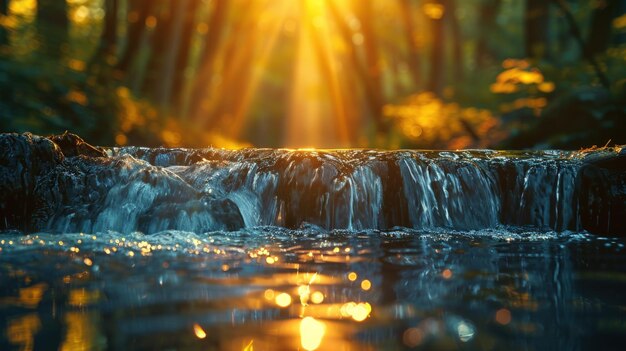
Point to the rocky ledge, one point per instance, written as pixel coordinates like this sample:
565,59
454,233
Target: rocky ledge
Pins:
63,178
61,183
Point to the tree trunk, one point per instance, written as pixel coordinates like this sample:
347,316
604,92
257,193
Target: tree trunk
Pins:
108,39
372,93
4,11
158,46
186,38
409,32
237,73
52,26
436,78
374,72
601,24
169,64
487,24
457,40
201,87
536,29
138,13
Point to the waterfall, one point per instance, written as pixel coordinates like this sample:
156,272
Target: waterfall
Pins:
204,190
74,187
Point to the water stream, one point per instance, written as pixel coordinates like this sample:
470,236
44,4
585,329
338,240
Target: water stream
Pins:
173,249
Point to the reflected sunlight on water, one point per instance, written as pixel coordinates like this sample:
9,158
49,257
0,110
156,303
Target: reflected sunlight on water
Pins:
436,292
21,331
311,333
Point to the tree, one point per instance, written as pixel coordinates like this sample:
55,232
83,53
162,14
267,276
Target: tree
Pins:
363,70
536,27
602,17
4,11
182,60
163,12
437,15
372,61
413,58
457,40
200,90
168,63
138,13
52,26
488,13
108,39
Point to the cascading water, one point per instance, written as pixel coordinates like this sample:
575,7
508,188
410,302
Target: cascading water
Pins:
155,190
151,190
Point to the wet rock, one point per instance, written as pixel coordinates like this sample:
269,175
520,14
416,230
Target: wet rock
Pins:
602,184
24,159
73,145
63,184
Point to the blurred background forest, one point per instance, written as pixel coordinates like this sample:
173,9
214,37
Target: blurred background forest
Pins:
317,73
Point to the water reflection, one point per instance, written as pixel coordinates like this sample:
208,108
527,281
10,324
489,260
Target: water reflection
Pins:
21,331
319,291
311,333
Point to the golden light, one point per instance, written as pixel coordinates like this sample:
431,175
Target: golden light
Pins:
366,285
21,331
88,262
283,300
311,333
446,274
269,294
433,10
200,333
83,297
304,291
352,276
317,297
361,311
503,316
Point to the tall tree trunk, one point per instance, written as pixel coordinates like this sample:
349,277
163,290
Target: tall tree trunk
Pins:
138,13
575,31
487,24
158,45
201,88
108,38
536,29
238,73
601,23
372,96
330,77
436,78
4,11
52,26
372,62
186,38
169,64
457,40
409,35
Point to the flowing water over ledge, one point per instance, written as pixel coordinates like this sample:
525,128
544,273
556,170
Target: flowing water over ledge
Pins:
144,249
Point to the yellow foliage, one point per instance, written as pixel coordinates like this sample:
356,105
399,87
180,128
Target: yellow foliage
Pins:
620,22
433,10
428,121
78,97
77,65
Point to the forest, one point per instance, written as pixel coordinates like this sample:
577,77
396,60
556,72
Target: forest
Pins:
443,74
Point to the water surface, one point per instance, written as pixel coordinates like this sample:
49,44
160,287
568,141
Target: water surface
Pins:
269,288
